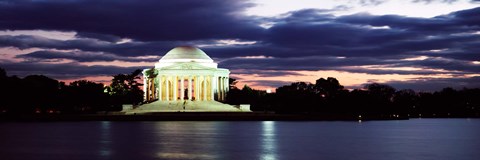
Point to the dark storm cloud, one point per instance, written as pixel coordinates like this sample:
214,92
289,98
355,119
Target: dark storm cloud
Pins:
81,56
102,37
303,33
302,63
265,73
63,71
297,45
460,21
305,15
145,20
284,66
356,35
470,55
90,45
436,84
440,63
27,41
308,35
395,71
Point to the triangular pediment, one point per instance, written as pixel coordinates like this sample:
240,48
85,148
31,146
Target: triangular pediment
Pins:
185,66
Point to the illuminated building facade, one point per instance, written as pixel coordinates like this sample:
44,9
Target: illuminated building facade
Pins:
186,73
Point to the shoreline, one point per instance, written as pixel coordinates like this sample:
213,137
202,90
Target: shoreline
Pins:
196,116
204,116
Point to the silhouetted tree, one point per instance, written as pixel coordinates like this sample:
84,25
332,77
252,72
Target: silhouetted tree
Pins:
3,73
125,88
471,101
329,92
405,101
151,74
84,96
12,93
246,95
296,97
358,102
380,98
232,82
381,90
327,87
41,92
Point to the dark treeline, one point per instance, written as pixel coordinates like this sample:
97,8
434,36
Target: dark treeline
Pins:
41,94
328,96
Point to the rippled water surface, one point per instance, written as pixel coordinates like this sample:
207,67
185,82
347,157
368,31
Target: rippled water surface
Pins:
435,139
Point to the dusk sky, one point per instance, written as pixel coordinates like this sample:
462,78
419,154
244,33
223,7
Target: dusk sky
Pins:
424,45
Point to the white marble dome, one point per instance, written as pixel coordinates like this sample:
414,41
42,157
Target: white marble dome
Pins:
186,54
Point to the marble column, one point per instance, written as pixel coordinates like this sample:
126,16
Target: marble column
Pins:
197,88
175,88
220,88
167,88
189,88
160,83
182,89
212,88
204,88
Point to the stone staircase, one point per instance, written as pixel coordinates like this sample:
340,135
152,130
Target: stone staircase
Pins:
184,106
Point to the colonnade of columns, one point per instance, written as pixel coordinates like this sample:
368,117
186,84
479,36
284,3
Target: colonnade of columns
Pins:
195,87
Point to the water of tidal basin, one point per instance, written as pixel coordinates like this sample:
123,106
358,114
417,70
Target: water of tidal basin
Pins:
418,139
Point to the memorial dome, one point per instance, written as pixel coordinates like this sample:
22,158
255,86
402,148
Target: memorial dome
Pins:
183,53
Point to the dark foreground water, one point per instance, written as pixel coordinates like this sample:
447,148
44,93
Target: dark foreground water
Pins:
435,139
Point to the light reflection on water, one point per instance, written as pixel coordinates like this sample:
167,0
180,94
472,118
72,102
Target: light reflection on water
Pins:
269,145
186,140
413,139
105,140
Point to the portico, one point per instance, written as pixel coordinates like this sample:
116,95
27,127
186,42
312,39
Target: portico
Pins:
191,86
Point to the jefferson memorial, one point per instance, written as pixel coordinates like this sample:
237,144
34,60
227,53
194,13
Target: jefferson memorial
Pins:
186,79
186,73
